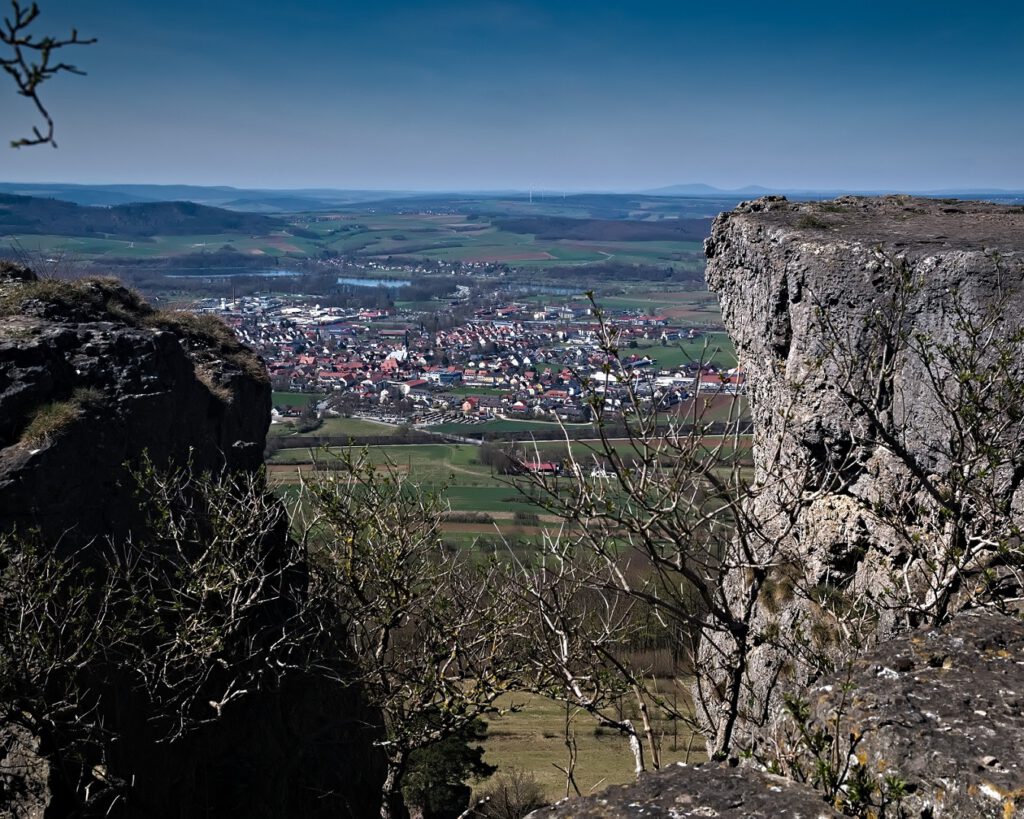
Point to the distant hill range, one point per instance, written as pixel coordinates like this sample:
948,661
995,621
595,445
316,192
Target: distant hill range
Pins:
699,189
692,200
754,191
610,206
256,201
33,215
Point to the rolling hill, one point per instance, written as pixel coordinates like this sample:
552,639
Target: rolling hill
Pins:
33,215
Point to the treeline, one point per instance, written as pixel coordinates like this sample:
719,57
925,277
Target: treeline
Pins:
608,230
402,435
614,271
226,257
612,429
431,288
138,221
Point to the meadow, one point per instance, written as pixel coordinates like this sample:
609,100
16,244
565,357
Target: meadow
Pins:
294,399
534,739
444,238
713,348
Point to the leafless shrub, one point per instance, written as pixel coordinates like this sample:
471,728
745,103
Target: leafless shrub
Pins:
511,794
432,638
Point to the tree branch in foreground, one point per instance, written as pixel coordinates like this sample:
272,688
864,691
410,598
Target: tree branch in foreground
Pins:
31,61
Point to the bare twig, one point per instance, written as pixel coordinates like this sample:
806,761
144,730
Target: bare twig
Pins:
31,60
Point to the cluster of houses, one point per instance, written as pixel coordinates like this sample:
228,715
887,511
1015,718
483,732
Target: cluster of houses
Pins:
513,361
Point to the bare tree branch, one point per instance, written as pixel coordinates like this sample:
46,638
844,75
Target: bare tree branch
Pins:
31,60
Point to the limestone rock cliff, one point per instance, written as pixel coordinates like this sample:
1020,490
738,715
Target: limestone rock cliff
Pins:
864,326
93,381
883,345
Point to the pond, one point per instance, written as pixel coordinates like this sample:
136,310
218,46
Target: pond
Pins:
391,284
227,272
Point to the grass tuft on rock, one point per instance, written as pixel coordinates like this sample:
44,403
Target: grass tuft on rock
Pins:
91,299
49,420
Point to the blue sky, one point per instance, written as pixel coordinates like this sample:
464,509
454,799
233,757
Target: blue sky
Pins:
558,95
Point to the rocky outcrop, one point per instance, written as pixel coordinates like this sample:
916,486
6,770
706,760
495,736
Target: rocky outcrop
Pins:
939,710
91,379
932,720
864,325
94,383
883,345
683,791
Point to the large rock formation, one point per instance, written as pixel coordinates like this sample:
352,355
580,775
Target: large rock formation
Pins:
90,379
93,383
882,343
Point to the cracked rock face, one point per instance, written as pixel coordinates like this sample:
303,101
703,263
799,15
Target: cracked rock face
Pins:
804,288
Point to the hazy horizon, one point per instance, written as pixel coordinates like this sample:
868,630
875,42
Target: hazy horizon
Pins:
517,95
663,190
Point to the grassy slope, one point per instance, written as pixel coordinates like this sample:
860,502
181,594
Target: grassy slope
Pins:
534,741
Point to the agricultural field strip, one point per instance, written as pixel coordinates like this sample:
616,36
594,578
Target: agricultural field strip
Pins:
425,235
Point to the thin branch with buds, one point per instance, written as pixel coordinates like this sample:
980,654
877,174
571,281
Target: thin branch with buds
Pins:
31,60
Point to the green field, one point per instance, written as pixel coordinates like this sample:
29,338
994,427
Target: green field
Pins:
534,740
448,237
711,348
294,399
353,427
336,428
431,464
453,469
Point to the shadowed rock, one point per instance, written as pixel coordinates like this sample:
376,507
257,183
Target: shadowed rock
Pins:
91,378
92,382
